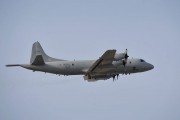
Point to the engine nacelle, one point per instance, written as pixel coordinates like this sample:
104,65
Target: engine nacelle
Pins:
119,56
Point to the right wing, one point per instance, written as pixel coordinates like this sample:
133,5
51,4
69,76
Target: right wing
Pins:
106,59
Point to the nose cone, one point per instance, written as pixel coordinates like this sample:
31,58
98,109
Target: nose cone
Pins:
150,66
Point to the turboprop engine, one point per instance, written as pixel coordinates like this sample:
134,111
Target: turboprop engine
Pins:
120,56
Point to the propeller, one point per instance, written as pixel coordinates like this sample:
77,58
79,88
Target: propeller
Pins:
126,57
124,62
126,54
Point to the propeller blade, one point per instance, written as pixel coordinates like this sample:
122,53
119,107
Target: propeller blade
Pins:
126,57
126,54
124,63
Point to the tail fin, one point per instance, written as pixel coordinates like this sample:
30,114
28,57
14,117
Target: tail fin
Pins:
38,56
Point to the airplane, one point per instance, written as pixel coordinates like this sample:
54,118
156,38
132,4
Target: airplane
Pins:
109,65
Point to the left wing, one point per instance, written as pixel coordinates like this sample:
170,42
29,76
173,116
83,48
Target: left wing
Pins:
106,59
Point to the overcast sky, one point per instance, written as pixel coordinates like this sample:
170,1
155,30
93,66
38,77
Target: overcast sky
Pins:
80,29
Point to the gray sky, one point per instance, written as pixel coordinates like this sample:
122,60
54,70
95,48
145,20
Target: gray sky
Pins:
80,29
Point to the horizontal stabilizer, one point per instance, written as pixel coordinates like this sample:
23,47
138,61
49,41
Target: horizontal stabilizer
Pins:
13,65
38,60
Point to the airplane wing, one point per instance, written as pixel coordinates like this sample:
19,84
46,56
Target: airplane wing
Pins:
106,59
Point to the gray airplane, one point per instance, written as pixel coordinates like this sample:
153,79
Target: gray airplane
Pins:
109,65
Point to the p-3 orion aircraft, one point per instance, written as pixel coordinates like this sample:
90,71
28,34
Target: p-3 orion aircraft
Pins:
109,65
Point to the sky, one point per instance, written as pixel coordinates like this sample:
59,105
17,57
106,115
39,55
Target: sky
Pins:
81,29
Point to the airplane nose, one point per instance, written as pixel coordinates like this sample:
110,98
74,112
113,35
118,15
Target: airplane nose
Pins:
150,66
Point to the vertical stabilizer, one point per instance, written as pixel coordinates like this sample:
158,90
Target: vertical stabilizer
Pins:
38,56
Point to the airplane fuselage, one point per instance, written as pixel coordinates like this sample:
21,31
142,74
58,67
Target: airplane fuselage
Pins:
80,67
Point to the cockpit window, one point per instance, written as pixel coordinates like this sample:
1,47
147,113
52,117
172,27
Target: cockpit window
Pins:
142,60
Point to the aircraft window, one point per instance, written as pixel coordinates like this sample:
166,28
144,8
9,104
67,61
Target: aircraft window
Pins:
142,60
